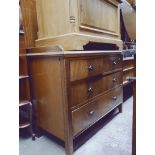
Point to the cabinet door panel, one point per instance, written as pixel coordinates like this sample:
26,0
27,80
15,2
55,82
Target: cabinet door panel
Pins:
99,15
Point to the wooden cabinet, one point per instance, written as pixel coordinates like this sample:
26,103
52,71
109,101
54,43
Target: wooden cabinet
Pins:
69,95
129,68
74,23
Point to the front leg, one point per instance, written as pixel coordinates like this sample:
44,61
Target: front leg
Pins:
120,108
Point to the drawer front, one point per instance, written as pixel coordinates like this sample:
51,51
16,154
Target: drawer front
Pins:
89,89
128,64
85,116
112,63
84,68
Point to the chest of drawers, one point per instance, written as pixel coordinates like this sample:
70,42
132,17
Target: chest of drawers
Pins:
74,89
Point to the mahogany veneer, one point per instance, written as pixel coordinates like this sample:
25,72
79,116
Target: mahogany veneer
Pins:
74,89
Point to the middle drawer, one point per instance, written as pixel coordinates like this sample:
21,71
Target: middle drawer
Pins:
81,92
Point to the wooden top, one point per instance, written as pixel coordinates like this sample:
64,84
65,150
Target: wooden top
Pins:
57,51
128,58
73,53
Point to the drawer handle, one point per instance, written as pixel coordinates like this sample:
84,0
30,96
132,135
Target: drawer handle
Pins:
90,68
114,63
114,97
114,79
90,90
91,113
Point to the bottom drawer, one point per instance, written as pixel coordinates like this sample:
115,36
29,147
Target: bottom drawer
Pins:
88,114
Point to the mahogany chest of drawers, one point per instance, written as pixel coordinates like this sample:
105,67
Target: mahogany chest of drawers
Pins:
74,89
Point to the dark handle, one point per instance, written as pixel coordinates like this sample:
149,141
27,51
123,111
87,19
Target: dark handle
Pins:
90,90
90,68
91,113
114,97
114,62
114,79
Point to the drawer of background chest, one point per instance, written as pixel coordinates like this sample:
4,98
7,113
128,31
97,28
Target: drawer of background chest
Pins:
128,64
88,67
81,92
112,63
128,73
88,114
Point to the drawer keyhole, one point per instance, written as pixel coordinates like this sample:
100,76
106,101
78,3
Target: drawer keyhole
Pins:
91,68
91,113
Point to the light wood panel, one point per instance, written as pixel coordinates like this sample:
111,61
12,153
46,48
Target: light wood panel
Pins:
76,41
74,23
100,16
53,17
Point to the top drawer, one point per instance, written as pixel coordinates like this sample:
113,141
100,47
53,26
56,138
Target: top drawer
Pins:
83,68
87,67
